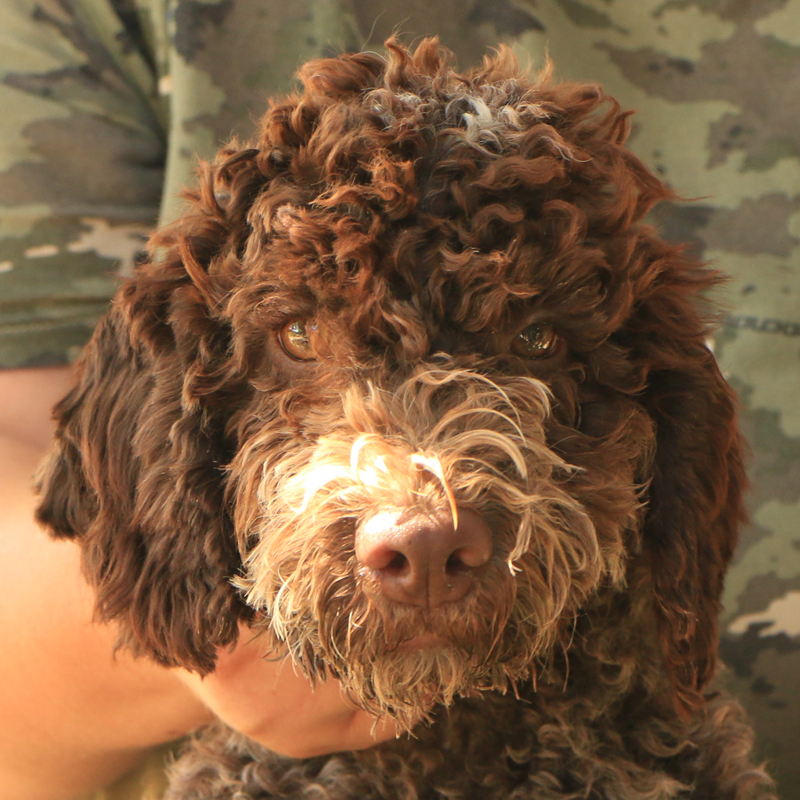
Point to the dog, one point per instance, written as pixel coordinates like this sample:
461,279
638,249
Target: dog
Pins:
415,391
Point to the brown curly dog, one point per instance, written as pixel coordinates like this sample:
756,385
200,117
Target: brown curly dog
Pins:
414,390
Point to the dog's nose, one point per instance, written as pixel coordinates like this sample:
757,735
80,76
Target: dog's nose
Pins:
421,559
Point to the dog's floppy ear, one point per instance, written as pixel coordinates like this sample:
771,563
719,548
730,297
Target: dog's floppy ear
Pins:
137,469
695,495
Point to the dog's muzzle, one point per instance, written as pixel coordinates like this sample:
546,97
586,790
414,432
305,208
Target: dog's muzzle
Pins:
418,542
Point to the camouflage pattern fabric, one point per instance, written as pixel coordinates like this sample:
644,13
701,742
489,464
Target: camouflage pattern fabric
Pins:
107,102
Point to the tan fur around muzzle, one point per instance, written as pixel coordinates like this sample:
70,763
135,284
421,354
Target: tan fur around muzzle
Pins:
442,439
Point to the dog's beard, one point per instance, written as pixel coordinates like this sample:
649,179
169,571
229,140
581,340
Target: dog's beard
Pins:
408,685
443,439
404,660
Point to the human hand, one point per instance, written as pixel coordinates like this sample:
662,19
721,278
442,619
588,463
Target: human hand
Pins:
269,700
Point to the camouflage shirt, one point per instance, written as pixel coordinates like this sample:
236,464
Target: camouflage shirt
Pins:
107,103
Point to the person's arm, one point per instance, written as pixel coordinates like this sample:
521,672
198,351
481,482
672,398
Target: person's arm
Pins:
75,714
269,701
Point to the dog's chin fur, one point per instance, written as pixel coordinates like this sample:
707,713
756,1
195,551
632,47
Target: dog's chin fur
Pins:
386,673
390,667
409,685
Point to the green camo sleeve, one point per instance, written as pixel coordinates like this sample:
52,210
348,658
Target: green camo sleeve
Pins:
82,149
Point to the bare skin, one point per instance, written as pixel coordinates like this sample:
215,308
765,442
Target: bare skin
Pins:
75,715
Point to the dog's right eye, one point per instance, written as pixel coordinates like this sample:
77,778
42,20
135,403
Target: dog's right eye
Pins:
295,340
536,341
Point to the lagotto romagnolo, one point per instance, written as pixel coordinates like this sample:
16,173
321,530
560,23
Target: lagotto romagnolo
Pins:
415,391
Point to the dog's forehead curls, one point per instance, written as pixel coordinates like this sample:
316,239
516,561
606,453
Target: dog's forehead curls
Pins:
414,389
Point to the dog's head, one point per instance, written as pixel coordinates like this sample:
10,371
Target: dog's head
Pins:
409,386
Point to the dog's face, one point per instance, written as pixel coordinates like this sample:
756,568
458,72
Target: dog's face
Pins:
409,388
418,504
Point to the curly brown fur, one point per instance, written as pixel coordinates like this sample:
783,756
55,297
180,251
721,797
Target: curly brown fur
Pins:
418,221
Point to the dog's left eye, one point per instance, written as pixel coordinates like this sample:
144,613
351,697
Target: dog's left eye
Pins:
536,341
295,341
